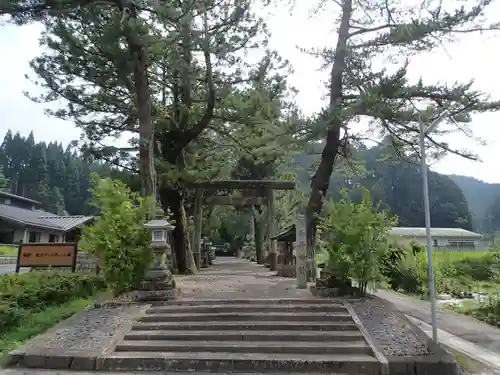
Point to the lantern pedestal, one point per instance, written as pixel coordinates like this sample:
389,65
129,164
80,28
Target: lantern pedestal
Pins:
158,284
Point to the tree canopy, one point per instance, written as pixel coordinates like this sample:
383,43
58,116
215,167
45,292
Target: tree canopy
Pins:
184,91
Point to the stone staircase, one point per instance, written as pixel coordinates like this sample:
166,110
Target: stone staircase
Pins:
245,336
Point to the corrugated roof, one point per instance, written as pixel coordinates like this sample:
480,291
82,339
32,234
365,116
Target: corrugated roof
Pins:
435,232
41,219
26,217
67,222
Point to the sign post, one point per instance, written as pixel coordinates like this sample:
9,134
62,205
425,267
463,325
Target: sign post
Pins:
53,254
301,252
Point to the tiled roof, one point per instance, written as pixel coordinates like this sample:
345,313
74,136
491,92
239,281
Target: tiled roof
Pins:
435,232
41,219
289,233
67,222
25,216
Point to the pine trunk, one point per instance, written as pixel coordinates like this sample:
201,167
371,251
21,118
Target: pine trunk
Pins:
139,57
333,144
174,200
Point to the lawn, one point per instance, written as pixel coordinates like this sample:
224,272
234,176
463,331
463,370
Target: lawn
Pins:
10,250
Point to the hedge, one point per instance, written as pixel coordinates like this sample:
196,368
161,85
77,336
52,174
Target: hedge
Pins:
35,291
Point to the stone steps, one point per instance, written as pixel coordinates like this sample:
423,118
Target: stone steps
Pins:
247,308
244,325
248,317
236,336
241,362
245,301
251,335
295,347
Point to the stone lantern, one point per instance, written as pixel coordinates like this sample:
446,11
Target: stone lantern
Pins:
158,283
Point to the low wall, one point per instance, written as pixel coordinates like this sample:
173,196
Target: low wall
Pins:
84,263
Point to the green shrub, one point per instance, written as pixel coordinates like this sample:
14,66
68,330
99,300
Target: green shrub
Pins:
487,311
388,262
38,290
118,238
10,316
355,237
454,272
408,276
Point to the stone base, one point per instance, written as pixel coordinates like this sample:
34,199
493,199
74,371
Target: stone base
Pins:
324,292
157,295
156,285
158,274
273,261
288,270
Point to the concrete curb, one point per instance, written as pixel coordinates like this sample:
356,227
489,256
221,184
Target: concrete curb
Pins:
455,344
379,355
439,360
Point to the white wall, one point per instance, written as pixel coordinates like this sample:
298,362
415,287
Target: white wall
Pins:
44,237
442,241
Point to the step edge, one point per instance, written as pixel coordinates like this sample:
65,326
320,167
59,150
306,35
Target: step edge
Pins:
216,356
262,333
355,344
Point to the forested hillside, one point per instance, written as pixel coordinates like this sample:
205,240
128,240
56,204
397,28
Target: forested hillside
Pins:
484,202
395,185
49,173
59,178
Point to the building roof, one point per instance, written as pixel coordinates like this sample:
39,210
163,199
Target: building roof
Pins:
67,222
18,197
41,219
288,234
435,232
26,217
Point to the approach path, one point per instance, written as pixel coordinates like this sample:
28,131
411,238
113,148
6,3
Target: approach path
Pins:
231,278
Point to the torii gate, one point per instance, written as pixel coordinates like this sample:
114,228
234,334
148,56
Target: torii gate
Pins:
257,192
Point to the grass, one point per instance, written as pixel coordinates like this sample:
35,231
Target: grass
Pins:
38,322
10,250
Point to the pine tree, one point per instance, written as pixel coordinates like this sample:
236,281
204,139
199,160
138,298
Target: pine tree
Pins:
358,87
4,182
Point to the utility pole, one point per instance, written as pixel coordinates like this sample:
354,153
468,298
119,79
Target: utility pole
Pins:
425,190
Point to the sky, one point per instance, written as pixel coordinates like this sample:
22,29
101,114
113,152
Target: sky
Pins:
472,57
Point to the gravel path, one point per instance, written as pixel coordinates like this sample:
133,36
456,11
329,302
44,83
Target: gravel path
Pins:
236,278
387,329
90,331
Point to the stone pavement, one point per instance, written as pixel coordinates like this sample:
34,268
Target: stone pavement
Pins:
231,278
466,328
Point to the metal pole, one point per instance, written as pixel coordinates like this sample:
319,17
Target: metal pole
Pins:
430,267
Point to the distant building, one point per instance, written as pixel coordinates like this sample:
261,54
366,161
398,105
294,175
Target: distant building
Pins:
445,238
21,220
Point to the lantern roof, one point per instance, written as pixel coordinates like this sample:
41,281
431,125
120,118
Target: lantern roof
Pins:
159,221
159,224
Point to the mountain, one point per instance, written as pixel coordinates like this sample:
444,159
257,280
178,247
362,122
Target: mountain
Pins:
394,184
480,196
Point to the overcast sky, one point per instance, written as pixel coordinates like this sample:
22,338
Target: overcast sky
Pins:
473,57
